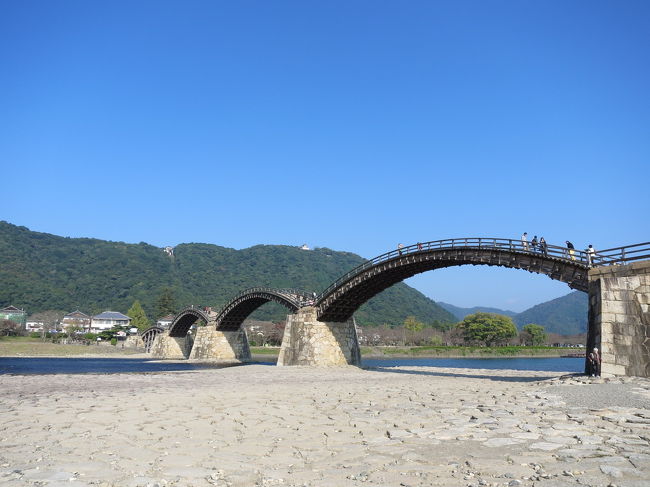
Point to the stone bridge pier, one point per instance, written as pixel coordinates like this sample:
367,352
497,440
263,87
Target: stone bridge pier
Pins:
171,348
619,318
213,344
308,341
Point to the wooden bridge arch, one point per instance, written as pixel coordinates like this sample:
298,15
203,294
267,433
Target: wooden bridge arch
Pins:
184,320
343,297
149,335
233,314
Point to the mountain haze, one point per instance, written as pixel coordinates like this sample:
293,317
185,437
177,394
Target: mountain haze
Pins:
40,271
566,315
460,313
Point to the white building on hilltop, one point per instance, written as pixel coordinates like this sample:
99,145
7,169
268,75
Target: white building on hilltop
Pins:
107,320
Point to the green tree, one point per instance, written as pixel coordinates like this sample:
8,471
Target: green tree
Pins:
138,317
413,326
487,328
166,303
534,335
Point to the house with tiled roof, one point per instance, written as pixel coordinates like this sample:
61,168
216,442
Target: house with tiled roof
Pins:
76,319
107,320
14,314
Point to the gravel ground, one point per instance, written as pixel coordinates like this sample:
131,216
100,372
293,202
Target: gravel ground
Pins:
599,396
604,393
260,426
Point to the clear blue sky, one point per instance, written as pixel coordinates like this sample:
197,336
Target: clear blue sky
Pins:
351,125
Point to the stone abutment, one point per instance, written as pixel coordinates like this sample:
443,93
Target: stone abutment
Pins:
308,341
212,344
619,318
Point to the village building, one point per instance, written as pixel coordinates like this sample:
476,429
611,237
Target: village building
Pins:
14,314
76,319
34,326
165,321
108,320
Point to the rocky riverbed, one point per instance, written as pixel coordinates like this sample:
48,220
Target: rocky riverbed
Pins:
260,425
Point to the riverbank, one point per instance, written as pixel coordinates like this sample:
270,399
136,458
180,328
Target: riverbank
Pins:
466,352
447,352
30,347
316,427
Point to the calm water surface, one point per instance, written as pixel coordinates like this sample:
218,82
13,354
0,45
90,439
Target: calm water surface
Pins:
555,364
17,365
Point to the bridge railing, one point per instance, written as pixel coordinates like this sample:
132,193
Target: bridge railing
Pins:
628,253
603,257
299,295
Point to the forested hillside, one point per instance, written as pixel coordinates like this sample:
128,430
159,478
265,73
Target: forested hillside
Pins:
39,271
566,315
460,313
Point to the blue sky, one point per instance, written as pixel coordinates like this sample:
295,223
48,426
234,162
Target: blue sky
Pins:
349,125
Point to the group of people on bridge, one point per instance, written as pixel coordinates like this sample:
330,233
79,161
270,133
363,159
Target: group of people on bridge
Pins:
536,246
543,248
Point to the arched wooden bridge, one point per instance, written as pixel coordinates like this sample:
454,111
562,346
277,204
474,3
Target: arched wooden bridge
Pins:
149,335
233,314
344,296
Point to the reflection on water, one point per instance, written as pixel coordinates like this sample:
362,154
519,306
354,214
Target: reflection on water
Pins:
60,365
554,364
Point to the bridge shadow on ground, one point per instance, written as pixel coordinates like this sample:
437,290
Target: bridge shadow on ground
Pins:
461,375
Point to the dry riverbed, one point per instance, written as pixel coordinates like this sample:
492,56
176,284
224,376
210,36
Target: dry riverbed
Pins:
260,425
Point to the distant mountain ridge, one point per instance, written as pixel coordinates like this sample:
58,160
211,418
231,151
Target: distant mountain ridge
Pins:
566,315
40,271
460,313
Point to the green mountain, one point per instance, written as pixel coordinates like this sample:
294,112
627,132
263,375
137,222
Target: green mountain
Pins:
39,271
566,315
460,313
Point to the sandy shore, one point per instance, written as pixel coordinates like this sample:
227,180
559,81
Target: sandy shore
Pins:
261,425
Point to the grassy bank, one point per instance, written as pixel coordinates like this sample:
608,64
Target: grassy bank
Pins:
31,347
35,347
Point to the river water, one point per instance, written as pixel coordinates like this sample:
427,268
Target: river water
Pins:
22,366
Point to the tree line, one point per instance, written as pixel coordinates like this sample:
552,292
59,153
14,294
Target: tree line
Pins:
478,329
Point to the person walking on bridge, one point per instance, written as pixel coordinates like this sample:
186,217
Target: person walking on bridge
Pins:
533,243
400,246
524,241
543,246
570,250
590,255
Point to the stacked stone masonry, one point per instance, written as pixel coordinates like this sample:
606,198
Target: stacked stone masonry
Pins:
619,318
171,348
211,344
308,341
134,341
